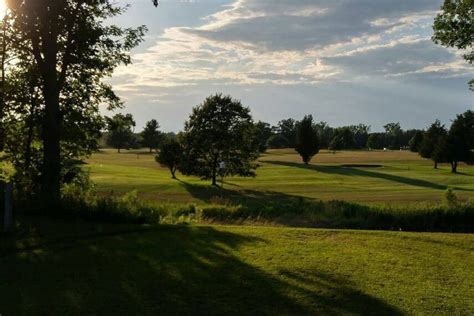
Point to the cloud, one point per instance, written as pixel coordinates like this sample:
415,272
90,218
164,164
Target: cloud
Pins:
305,24
291,42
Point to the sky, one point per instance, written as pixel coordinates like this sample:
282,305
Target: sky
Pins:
343,61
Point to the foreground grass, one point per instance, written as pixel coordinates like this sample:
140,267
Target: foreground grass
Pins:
59,268
382,178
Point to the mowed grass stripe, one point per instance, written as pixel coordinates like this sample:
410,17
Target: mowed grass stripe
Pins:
403,177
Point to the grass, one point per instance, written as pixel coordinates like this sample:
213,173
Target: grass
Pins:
385,178
75,268
58,267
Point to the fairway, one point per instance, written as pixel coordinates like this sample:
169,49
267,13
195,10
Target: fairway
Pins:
377,177
104,269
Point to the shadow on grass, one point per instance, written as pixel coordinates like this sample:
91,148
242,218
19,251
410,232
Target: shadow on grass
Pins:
169,270
350,171
253,198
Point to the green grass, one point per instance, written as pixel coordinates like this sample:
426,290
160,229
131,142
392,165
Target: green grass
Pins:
400,178
61,268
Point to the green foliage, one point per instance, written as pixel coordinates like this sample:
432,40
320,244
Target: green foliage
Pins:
415,141
72,47
277,142
394,134
81,201
220,140
307,141
287,128
454,27
343,139
170,155
459,143
433,141
120,128
263,134
151,135
451,199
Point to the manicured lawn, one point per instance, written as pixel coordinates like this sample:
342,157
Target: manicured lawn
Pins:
387,178
60,268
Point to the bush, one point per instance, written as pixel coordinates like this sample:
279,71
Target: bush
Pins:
451,199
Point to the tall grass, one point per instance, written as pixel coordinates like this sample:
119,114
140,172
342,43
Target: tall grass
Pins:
451,216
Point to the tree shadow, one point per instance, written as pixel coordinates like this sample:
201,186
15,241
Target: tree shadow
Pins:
168,270
209,194
350,171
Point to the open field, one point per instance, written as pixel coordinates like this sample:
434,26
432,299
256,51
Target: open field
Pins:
388,178
124,269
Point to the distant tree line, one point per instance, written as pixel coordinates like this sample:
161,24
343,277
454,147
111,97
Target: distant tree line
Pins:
220,139
352,137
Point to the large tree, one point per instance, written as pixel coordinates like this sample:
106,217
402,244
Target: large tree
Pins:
120,131
307,141
72,44
460,140
433,142
454,27
170,155
151,135
220,140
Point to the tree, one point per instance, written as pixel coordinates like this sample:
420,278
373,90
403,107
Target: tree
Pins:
337,143
394,134
120,128
170,155
72,45
344,138
307,142
277,142
325,134
361,135
287,128
264,132
415,141
460,140
151,135
219,139
432,143
454,27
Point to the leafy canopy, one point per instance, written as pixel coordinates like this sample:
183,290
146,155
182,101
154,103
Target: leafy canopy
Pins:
307,141
220,139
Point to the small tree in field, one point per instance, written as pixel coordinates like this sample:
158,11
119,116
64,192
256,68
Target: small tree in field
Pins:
170,155
307,142
151,135
220,139
120,129
433,140
460,140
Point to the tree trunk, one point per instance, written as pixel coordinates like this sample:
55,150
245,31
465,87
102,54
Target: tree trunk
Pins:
51,135
173,173
3,57
454,167
214,179
436,165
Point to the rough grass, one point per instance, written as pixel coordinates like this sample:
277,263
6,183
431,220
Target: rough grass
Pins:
64,268
403,179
